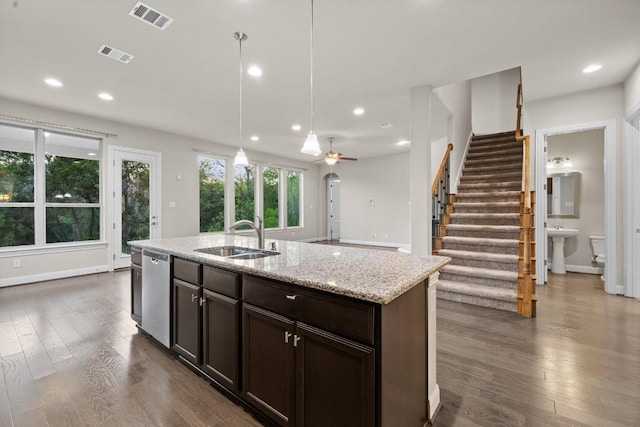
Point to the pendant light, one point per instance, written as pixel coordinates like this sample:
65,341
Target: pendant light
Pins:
241,157
311,145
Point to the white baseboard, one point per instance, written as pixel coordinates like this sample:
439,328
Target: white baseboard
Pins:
587,269
434,401
21,280
370,243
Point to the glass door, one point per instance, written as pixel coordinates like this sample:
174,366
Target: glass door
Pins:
135,207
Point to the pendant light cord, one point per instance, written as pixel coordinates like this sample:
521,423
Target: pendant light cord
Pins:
312,112
240,39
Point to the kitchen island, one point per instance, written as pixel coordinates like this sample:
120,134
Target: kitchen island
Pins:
313,335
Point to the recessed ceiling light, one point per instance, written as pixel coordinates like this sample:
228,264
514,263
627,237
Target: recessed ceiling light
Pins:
385,125
403,142
358,111
592,68
92,154
53,82
255,138
254,71
106,96
47,134
296,127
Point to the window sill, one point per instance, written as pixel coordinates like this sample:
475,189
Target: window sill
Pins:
51,248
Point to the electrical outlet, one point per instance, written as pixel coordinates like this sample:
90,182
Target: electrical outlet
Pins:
17,263
172,204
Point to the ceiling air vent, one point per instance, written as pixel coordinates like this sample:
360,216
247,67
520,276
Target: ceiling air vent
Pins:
150,16
116,54
385,125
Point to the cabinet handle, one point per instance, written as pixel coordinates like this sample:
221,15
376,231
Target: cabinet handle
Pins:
138,274
194,298
295,340
287,335
291,297
202,300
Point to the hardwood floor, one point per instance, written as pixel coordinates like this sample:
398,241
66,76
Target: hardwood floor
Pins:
71,355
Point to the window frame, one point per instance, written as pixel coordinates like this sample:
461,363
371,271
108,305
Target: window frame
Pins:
40,203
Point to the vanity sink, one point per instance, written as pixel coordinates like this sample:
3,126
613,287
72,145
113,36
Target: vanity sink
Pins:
237,252
562,232
557,237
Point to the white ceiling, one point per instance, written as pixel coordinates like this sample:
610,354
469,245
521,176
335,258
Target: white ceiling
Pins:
367,53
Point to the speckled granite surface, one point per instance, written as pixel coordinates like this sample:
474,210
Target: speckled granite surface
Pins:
366,274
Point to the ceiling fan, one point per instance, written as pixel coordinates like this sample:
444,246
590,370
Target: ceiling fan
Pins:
331,158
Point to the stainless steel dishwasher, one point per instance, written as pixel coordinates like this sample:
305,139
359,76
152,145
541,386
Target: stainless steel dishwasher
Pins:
156,291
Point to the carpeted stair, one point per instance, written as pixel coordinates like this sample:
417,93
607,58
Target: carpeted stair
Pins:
482,237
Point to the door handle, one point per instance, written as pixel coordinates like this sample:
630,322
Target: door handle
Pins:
295,340
291,297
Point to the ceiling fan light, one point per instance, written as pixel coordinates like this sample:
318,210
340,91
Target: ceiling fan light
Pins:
241,159
331,160
311,144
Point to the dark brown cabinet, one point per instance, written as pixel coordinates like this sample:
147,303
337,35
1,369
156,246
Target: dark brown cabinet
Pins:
187,320
136,285
220,339
301,375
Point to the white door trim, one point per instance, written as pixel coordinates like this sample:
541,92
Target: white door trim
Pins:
110,205
631,204
610,199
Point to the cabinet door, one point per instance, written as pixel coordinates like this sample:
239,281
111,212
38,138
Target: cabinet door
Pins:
221,338
136,293
269,363
187,320
335,380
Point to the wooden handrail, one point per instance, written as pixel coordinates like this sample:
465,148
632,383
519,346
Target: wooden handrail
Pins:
443,164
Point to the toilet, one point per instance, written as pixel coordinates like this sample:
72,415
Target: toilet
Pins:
597,249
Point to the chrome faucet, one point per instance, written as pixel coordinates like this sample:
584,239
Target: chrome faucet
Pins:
557,226
259,229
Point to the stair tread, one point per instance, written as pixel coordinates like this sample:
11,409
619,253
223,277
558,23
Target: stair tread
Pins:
483,227
488,273
481,241
498,159
467,204
477,290
475,215
478,255
492,175
513,193
514,166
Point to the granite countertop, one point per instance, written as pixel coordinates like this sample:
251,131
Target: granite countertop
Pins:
366,274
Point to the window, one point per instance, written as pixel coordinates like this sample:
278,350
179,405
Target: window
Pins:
212,182
270,197
17,225
72,188
67,168
244,188
294,186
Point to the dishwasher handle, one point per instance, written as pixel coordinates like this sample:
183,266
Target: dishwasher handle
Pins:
156,257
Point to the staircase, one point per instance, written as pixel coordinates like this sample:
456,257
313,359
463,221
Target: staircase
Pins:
482,232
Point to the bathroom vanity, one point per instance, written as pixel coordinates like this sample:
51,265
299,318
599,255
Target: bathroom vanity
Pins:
312,335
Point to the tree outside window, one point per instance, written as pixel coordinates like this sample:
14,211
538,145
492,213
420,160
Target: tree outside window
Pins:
244,188
212,182
271,193
293,198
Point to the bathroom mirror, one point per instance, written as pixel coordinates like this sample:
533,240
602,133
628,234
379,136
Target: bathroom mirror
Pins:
562,195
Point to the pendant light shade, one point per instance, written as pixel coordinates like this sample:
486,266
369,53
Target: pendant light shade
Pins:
241,157
311,144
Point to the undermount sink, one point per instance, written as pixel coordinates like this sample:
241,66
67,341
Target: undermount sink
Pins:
237,252
557,237
562,232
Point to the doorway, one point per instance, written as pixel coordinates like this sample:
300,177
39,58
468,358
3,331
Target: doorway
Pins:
136,194
610,199
333,207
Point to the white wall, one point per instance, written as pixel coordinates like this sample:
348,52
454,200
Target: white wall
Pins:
582,108
385,180
493,102
457,99
586,151
178,158
632,91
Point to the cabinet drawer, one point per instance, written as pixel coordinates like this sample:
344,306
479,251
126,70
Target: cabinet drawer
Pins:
340,315
268,294
221,281
188,271
136,256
